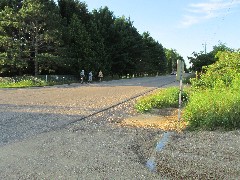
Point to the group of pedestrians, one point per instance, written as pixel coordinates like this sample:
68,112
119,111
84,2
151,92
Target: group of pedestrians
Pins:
90,75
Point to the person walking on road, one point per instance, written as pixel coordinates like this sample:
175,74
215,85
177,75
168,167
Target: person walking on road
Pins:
100,75
82,75
90,77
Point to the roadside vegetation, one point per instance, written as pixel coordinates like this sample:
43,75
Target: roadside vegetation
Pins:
165,98
213,100
24,83
29,81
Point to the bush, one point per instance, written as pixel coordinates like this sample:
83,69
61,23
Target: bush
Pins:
213,108
216,102
23,83
162,99
222,72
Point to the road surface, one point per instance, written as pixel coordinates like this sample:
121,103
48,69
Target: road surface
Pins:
71,132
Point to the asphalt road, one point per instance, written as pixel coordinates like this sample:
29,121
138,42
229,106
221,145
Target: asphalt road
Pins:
30,111
39,125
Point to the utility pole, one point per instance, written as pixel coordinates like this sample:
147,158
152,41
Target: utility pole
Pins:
205,47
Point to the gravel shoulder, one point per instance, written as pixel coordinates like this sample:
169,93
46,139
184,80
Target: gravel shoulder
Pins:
201,155
188,155
95,148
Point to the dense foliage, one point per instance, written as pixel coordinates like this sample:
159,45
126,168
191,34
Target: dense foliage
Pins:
221,73
42,37
216,100
202,59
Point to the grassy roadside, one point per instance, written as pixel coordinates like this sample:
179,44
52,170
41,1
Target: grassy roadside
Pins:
22,84
212,102
34,82
202,109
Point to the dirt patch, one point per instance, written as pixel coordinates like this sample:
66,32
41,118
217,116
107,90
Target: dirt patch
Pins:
164,119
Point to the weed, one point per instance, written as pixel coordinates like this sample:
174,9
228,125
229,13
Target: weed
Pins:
164,98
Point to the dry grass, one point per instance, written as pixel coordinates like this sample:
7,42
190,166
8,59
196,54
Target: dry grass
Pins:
164,119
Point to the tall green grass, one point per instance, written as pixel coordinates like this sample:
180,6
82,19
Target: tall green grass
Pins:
164,98
213,108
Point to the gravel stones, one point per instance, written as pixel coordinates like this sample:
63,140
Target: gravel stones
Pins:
39,141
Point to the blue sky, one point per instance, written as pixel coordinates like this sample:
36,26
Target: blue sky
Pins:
184,25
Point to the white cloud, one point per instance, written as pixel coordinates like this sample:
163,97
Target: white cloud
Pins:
200,12
189,20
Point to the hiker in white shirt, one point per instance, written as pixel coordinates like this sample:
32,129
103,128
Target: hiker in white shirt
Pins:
82,75
90,77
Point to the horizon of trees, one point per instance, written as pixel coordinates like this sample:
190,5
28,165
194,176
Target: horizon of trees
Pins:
42,37
202,59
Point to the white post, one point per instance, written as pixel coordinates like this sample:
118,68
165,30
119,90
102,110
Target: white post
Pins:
180,72
46,78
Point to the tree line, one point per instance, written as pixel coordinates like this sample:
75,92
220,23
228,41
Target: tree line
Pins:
42,37
201,60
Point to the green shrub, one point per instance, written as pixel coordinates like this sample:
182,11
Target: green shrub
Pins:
23,83
164,98
213,108
216,100
221,73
